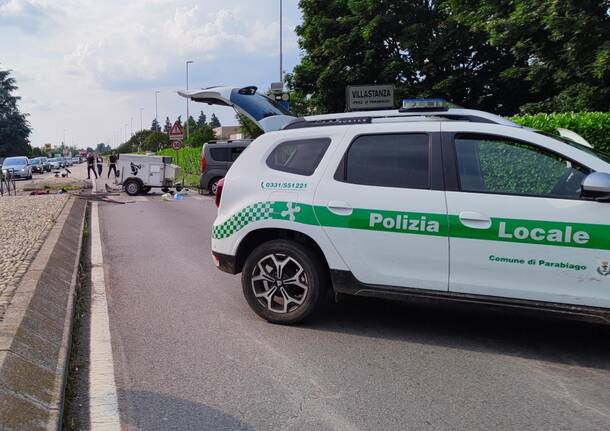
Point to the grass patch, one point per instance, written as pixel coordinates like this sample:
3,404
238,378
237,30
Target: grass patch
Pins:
76,406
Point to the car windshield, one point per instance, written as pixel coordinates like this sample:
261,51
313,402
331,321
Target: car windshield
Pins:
36,162
592,151
14,162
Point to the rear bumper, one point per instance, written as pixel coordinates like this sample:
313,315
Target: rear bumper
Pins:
225,262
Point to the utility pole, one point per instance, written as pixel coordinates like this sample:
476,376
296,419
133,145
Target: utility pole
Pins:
131,122
187,99
281,50
141,126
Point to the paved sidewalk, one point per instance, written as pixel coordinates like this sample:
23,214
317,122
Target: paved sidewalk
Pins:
24,224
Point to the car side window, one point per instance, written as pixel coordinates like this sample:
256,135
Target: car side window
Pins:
300,157
220,154
491,164
235,152
393,160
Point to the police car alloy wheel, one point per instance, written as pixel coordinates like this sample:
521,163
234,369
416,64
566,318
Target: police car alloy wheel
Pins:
283,281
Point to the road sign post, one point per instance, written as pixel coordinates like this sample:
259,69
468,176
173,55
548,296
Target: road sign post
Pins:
176,135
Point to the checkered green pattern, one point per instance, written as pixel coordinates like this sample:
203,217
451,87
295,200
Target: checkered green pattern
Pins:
256,212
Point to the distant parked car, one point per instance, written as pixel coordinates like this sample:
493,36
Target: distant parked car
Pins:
37,165
216,159
55,163
45,164
20,167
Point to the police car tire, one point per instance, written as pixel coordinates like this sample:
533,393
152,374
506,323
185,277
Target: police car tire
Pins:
312,267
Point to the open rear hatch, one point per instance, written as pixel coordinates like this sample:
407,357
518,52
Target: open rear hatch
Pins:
266,113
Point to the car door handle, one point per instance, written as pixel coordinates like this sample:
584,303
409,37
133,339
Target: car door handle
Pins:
340,208
475,220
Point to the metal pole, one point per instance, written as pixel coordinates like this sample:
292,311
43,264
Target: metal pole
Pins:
281,50
156,112
187,99
141,126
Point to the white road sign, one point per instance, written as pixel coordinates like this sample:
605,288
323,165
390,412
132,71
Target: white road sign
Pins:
365,97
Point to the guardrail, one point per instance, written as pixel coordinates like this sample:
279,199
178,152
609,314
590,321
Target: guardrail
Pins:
7,182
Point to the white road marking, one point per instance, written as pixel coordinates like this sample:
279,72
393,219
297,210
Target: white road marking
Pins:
103,399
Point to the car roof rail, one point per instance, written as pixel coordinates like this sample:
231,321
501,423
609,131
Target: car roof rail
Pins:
351,118
303,122
230,141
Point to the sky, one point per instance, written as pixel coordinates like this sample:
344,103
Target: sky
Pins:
84,68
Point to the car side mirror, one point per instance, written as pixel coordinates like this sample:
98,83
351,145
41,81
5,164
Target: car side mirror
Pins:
597,186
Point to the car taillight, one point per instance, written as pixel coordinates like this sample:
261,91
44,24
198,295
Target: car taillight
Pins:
221,184
202,164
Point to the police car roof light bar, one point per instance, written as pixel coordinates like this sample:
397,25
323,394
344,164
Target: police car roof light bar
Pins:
422,105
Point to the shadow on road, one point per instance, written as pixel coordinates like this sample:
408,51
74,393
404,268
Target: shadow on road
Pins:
509,333
155,411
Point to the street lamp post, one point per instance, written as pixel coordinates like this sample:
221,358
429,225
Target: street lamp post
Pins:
187,99
156,112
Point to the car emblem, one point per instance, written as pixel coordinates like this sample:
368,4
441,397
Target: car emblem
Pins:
604,268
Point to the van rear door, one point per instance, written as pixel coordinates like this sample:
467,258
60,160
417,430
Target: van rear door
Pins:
266,113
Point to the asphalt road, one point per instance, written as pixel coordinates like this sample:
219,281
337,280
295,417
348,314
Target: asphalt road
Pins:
190,355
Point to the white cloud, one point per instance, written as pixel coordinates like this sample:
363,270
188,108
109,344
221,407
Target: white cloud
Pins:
92,64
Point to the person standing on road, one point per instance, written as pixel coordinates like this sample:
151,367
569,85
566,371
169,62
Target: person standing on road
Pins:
100,163
112,166
90,167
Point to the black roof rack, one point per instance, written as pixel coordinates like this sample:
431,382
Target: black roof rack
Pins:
301,123
229,141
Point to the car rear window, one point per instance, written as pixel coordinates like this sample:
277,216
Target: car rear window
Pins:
13,162
396,160
220,154
300,157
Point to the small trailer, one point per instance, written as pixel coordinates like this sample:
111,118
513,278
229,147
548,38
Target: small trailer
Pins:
139,174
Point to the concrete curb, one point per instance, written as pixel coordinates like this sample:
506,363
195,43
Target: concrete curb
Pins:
35,335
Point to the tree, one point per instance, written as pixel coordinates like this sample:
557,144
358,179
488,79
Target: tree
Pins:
135,143
201,121
36,152
200,136
248,127
191,123
561,49
155,127
214,121
168,125
14,126
491,55
155,141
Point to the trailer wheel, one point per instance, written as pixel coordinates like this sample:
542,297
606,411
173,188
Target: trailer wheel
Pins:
132,187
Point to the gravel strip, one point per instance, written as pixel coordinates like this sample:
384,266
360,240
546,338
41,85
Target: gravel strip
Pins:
25,222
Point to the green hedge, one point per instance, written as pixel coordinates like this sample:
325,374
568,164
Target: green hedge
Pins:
189,159
593,126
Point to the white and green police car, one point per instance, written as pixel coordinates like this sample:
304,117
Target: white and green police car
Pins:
426,202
